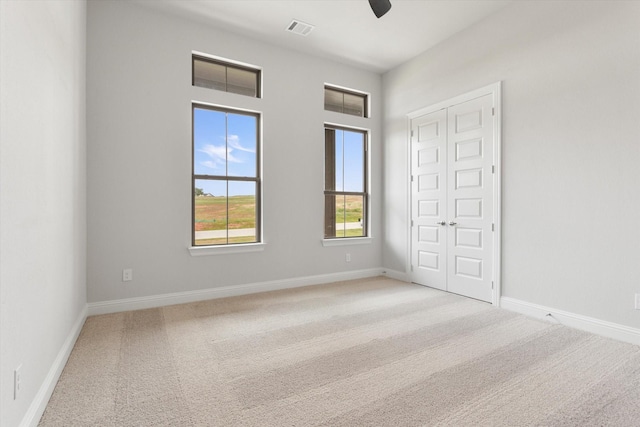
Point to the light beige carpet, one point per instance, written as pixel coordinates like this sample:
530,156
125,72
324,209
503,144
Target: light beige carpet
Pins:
373,352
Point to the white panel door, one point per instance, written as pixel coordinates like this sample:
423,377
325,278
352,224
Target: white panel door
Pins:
429,203
452,198
470,198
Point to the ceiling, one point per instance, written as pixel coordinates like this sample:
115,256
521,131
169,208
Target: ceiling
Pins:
345,30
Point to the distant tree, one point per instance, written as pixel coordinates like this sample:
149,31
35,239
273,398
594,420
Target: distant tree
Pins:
199,192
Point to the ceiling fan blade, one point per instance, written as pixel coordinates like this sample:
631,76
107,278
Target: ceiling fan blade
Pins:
380,7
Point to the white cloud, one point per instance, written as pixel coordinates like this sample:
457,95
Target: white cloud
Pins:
234,142
210,164
214,151
218,154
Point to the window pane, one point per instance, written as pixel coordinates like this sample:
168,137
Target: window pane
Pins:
353,216
242,212
242,140
333,225
340,217
242,81
209,75
210,214
209,147
333,100
344,160
329,216
353,175
344,216
343,101
353,104
339,156
329,159
226,77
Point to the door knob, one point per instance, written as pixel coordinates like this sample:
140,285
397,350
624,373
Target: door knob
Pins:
441,222
452,223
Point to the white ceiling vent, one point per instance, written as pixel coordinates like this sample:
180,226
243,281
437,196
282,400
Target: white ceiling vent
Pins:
300,27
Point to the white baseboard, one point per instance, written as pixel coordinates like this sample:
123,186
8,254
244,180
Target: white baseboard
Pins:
40,401
577,321
398,275
115,306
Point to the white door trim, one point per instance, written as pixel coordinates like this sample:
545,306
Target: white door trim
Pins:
495,90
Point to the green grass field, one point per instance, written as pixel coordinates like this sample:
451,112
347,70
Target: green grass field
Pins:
211,212
349,209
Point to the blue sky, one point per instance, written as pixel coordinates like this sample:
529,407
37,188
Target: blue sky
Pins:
224,144
349,161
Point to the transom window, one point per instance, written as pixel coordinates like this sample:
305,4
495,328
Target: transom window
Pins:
226,176
225,76
345,101
345,188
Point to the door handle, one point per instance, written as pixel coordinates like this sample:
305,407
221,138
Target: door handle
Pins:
441,222
452,223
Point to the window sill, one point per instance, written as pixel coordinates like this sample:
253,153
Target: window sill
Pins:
226,249
346,241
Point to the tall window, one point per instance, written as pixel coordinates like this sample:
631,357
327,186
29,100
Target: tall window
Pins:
345,184
226,176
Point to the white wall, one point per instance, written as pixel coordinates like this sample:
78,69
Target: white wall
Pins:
42,194
571,148
139,156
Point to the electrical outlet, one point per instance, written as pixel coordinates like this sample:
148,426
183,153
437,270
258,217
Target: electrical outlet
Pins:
348,258
17,381
637,301
127,274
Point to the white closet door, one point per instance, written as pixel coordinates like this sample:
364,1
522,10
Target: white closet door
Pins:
429,203
452,198
470,198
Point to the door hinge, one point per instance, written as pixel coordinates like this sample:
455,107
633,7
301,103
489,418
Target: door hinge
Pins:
411,133
493,227
412,223
492,285
493,111
411,178
493,168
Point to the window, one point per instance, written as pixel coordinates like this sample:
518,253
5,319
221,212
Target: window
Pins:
227,77
226,176
345,101
345,188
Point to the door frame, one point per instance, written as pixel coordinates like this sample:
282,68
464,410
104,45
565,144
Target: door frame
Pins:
495,90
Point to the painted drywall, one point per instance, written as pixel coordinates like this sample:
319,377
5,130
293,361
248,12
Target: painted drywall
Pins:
139,97
570,145
42,192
